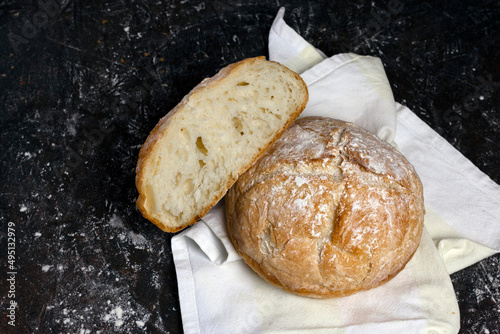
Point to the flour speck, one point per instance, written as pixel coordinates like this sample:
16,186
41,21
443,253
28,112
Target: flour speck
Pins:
116,221
46,267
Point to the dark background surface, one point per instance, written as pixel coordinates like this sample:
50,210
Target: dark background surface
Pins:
83,82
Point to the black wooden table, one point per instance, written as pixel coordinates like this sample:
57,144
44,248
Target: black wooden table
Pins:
83,82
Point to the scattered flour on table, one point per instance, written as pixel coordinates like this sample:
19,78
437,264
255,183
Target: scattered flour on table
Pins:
138,240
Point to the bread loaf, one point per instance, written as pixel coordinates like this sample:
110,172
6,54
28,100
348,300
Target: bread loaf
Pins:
197,151
327,211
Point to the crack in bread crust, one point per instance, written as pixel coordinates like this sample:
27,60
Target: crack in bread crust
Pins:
339,208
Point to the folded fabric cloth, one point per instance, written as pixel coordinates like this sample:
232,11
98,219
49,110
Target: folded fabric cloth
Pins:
219,293
361,93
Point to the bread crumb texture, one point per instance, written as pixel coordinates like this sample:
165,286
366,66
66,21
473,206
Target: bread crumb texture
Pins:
198,150
327,211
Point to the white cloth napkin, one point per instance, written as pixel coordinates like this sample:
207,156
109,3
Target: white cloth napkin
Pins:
220,294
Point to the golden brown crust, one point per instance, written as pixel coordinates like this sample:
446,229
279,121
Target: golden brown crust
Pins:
163,125
327,211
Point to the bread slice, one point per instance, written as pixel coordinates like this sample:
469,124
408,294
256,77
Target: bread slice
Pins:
197,151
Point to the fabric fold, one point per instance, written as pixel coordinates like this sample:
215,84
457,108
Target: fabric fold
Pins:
362,95
293,50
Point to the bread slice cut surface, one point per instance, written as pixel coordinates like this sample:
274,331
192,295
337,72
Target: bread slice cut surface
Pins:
198,150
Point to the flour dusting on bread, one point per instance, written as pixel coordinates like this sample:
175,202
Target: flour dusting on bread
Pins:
327,211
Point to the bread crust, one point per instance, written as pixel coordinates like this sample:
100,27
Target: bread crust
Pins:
163,125
327,211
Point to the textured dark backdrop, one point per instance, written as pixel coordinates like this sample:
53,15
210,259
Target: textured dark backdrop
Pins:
83,82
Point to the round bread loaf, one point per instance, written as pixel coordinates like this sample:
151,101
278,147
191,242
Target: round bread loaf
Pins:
327,211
